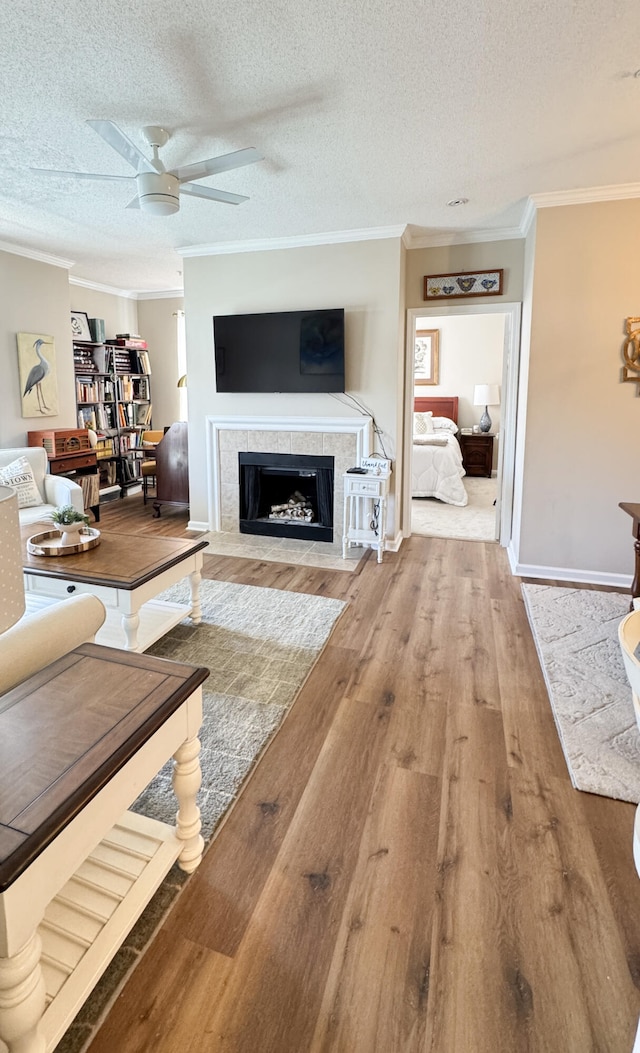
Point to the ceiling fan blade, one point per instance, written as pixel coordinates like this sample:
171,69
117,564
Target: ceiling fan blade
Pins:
213,165
83,175
213,195
112,135
135,203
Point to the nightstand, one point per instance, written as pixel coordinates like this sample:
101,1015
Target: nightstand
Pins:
477,452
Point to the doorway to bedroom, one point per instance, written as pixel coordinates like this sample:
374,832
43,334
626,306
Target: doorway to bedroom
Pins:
459,467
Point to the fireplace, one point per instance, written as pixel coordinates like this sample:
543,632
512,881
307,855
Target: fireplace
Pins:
286,495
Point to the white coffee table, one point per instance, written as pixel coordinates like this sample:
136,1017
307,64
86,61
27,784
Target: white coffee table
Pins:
127,572
76,868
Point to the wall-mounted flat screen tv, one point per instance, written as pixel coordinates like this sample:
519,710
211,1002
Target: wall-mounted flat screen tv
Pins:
285,351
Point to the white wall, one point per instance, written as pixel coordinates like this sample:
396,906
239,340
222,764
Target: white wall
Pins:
582,422
158,325
471,351
363,277
34,298
119,313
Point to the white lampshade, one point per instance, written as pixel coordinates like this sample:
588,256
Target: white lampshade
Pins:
11,580
486,395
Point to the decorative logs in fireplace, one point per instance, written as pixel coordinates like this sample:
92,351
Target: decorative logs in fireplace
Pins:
287,495
297,507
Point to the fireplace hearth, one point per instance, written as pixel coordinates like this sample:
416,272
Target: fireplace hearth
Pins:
286,495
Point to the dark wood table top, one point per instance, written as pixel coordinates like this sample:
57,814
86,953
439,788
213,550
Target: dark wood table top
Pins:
630,508
67,730
122,561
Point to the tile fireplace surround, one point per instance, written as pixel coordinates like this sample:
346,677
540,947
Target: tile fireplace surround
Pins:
347,439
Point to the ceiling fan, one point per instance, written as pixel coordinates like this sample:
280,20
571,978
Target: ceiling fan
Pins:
159,190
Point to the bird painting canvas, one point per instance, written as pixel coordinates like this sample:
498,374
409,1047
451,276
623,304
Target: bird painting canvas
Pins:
38,380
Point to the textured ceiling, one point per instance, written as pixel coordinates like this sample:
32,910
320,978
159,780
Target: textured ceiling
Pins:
368,115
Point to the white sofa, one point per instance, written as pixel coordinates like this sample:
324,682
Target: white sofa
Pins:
55,490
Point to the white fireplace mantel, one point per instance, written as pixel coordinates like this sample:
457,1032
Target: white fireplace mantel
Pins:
361,428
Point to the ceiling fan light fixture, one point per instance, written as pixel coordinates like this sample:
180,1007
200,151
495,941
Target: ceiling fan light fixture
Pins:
158,194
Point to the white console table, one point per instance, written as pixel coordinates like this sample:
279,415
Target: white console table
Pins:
76,868
365,502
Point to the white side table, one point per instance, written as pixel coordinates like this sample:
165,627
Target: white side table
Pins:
365,503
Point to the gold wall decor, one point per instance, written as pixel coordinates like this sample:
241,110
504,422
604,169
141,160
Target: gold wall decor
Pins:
631,352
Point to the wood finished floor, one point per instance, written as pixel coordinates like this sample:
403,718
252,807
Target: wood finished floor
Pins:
408,868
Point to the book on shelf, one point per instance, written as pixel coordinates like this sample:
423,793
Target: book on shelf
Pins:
142,414
143,361
104,447
83,360
96,327
133,342
102,358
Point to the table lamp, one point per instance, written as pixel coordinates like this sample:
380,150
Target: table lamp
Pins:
486,395
12,603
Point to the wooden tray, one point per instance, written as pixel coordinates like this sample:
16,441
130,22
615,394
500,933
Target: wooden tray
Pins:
49,543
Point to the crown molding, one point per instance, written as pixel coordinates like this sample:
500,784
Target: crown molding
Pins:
129,294
84,283
463,237
334,237
35,254
528,217
164,294
586,195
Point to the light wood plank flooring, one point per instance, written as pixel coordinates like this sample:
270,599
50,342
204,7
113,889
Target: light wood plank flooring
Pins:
408,868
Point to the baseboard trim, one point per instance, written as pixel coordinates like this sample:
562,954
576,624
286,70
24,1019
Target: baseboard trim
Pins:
582,577
393,544
201,527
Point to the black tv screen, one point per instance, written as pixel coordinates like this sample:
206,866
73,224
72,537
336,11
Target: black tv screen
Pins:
285,351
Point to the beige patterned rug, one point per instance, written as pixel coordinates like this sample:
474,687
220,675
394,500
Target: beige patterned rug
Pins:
575,631
260,645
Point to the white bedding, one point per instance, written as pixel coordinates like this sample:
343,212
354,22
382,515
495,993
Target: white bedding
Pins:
436,468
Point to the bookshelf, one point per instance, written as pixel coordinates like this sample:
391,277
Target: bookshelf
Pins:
113,398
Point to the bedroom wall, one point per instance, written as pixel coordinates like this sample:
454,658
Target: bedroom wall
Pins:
363,277
582,422
471,352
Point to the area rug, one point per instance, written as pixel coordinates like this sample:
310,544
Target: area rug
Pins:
576,635
259,645
475,522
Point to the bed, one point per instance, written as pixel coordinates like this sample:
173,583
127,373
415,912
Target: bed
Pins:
436,464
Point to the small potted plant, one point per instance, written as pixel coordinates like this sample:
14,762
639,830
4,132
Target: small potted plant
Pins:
69,522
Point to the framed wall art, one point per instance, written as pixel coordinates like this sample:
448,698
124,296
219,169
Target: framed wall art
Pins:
427,356
469,283
38,380
80,326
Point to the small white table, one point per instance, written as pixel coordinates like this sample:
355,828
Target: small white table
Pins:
365,503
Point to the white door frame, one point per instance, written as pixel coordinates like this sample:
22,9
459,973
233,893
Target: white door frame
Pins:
510,376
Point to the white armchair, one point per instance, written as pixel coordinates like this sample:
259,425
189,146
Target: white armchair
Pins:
55,490
29,642
41,638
